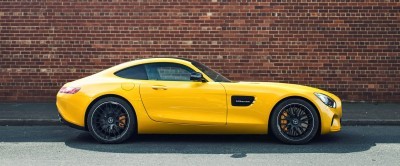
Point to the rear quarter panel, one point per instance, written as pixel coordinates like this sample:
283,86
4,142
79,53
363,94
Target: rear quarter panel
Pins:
74,107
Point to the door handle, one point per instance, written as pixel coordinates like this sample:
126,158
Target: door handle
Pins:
159,87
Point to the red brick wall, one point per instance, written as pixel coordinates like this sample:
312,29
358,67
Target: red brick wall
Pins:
349,47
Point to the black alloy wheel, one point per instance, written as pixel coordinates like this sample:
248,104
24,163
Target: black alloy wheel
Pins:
294,121
111,120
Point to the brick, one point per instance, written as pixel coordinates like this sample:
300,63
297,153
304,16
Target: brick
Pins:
351,49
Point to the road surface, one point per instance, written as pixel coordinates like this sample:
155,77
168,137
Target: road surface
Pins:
60,145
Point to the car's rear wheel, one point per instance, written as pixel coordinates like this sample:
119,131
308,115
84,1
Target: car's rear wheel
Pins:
111,120
294,121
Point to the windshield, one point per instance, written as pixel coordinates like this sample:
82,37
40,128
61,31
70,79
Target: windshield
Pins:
210,73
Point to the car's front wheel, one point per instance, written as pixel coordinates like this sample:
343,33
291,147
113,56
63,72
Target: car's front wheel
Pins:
111,120
294,121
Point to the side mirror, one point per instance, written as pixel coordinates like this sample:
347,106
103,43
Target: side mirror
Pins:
196,76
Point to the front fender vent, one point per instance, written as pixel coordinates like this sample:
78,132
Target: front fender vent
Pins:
242,100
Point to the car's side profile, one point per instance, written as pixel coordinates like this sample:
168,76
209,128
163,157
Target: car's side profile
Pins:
180,96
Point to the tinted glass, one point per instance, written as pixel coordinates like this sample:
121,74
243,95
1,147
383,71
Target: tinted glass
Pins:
168,72
210,73
135,72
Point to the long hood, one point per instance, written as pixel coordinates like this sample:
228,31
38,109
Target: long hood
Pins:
273,86
283,86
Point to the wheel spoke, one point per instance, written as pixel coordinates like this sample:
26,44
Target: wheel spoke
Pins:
297,111
299,132
291,112
304,118
293,131
304,128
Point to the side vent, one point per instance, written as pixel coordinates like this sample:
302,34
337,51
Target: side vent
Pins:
242,100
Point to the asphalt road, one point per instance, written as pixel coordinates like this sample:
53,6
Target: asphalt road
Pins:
59,145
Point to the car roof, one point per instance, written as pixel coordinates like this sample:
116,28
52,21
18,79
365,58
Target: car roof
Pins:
178,58
144,61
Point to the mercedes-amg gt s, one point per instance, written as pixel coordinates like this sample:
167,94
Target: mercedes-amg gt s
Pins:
181,96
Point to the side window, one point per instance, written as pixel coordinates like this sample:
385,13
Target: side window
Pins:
168,72
134,72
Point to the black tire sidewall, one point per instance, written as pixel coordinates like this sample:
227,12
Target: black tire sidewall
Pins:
275,127
131,125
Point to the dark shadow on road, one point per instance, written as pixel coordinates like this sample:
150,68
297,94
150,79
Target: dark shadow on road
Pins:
221,144
351,139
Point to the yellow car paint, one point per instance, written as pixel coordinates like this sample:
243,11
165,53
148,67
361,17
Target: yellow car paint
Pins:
184,102
188,107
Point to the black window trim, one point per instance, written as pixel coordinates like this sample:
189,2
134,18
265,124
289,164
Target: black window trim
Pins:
144,64
173,63
127,68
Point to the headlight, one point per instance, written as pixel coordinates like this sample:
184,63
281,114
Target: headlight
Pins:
326,100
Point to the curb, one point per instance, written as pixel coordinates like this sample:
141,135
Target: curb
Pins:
371,122
56,122
30,122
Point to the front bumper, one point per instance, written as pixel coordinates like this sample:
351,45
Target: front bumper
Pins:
336,124
330,117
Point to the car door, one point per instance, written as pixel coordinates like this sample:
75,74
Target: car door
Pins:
170,96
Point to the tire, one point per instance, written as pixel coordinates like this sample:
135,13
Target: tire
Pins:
294,121
111,120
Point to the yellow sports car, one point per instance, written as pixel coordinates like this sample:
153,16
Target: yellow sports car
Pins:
181,96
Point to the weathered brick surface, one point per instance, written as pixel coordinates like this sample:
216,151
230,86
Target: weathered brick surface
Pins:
349,47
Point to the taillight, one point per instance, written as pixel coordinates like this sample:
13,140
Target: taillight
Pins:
69,90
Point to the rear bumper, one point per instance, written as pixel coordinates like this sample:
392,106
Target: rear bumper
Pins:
72,108
63,121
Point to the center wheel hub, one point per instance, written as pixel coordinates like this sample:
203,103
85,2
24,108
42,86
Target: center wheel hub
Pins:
295,121
110,120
